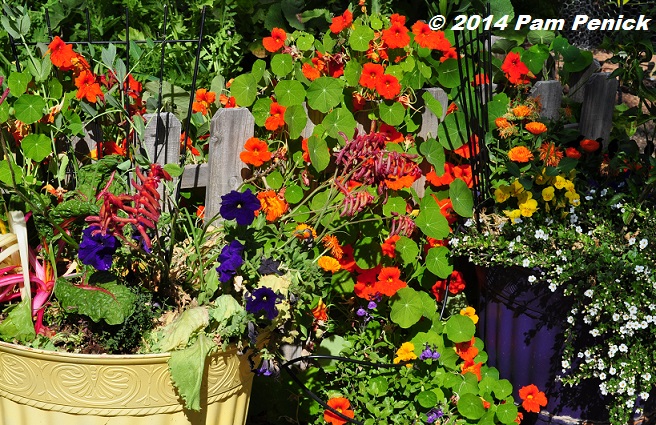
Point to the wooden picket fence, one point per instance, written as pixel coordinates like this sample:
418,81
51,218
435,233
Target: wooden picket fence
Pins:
231,127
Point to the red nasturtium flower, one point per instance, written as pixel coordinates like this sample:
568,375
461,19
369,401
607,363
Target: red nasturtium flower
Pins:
388,281
228,102
61,53
276,119
348,259
515,69
389,246
358,101
306,151
256,152
535,128
446,208
340,23
480,79
472,367
397,19
371,72
466,350
466,150
392,135
343,406
310,72
520,154
388,86
456,285
87,87
589,145
186,143
365,283
396,36
276,41
572,153
203,100
532,398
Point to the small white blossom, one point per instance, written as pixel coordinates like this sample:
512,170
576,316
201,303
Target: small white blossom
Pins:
570,320
644,395
532,279
589,293
553,287
565,365
526,262
454,242
643,243
624,348
603,192
602,376
603,388
646,376
616,317
639,269
469,222
612,370
594,332
578,229
632,241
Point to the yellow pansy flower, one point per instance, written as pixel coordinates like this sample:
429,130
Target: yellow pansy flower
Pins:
502,193
528,208
548,193
560,182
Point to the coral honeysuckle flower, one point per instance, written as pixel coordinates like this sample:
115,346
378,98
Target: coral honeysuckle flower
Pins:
256,152
276,119
276,41
87,87
341,405
396,36
532,398
388,86
341,22
520,154
60,53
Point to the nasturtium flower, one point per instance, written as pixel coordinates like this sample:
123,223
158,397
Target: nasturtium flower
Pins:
87,87
471,313
272,204
466,350
535,128
276,41
520,154
320,312
389,246
329,264
365,282
389,281
388,86
548,193
310,72
256,152
516,71
371,72
396,36
203,100
532,398
96,249
456,285
405,353
60,53
589,145
341,405
264,301
341,22
240,206
469,366
276,117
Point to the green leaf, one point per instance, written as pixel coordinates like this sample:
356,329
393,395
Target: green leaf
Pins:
282,64
407,249
17,82
392,112
340,120
471,406
432,104
434,153
175,170
261,110
427,399
360,38
367,253
296,120
18,324
540,36
497,108
290,93
437,262
178,333
244,89
332,346
507,413
394,204
257,71
36,147
319,153
460,328
305,42
187,369
294,194
583,60
452,132
430,220
274,180
502,389
324,93
378,386
461,198
108,55
6,173
407,307
4,111
28,108
24,24
447,74
352,73
105,301
535,57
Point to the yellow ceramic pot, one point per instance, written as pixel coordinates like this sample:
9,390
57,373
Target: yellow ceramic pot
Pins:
52,388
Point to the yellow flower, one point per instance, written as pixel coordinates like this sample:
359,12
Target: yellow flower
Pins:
560,182
528,208
329,264
524,196
569,186
573,197
502,193
516,188
405,353
548,193
471,313
542,178
513,215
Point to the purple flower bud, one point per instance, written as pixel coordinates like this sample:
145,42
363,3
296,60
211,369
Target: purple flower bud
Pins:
372,305
361,312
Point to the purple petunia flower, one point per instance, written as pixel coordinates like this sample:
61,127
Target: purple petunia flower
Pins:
97,249
230,259
433,415
263,300
240,206
269,266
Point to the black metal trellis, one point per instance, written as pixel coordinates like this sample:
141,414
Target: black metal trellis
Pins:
161,40
475,70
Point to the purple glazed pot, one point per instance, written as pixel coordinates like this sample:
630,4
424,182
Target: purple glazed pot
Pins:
521,325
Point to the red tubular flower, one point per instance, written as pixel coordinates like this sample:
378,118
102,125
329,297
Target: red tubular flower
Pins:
532,398
388,86
343,406
396,36
276,41
340,23
371,72
277,118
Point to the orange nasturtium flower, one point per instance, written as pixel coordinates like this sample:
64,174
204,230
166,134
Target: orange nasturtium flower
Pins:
343,406
535,127
61,53
87,87
320,312
589,145
471,366
371,72
227,102
532,398
310,72
520,154
423,35
272,204
405,353
396,36
276,119
256,152
389,246
388,86
341,22
388,281
203,100
276,41
466,350
329,264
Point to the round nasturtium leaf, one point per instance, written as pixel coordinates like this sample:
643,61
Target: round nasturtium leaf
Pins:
305,42
360,38
293,194
394,204
392,112
461,198
460,328
296,120
352,73
28,108
319,153
244,89
427,399
507,413
407,249
407,307
324,93
437,262
340,120
282,64
452,132
261,110
434,154
36,147
447,74
17,82
471,406
430,219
